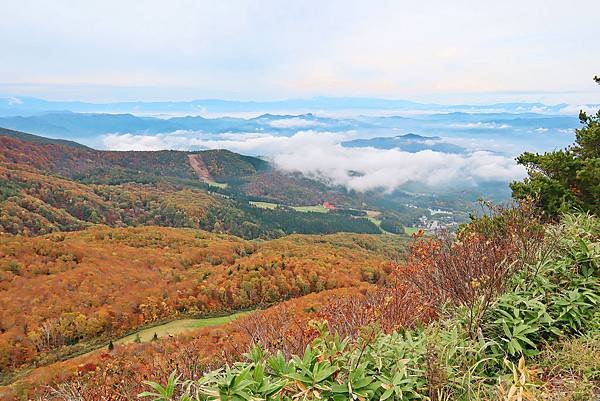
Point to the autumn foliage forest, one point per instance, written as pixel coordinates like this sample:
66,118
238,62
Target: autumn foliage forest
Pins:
82,288
441,296
99,244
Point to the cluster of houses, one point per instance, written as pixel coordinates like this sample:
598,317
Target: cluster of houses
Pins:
443,223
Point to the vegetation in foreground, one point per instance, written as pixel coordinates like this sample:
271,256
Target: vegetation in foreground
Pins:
503,332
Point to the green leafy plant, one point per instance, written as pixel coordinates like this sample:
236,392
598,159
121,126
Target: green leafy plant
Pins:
162,393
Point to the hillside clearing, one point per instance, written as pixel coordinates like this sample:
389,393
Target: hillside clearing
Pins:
304,209
178,327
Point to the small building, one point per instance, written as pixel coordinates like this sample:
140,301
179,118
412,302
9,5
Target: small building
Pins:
328,205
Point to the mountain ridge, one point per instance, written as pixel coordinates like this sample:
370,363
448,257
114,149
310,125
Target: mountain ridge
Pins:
22,104
38,139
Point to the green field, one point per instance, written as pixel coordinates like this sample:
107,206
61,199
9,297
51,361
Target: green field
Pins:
410,230
304,209
375,221
216,184
264,205
314,209
178,327
407,230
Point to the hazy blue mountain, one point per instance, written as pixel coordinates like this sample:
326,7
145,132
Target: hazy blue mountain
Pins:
408,143
537,132
77,125
85,125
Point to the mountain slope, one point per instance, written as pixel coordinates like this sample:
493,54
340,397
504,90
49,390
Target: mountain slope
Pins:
38,139
50,187
76,289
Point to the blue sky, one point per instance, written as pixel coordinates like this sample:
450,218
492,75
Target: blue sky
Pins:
437,51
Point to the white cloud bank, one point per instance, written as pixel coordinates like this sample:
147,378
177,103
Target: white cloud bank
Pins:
481,125
321,155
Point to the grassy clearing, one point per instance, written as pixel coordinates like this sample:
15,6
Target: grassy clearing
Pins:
215,184
314,209
304,209
410,230
375,221
178,327
264,205
372,213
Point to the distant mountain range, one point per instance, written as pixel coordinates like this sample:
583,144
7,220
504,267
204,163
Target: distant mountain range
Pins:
10,106
87,126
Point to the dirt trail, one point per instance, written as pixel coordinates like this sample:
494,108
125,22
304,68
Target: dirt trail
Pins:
199,167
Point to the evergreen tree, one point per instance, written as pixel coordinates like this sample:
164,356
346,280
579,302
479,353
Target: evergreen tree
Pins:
137,338
566,179
111,346
155,337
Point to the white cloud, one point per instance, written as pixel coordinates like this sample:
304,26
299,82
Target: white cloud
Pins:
536,109
488,144
320,155
574,109
389,169
14,101
488,125
541,130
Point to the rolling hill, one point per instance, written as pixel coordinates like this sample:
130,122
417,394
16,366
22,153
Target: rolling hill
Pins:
408,143
50,185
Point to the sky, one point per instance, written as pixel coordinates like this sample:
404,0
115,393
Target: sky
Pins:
435,51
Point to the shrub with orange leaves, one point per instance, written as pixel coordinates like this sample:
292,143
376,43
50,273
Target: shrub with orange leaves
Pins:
473,267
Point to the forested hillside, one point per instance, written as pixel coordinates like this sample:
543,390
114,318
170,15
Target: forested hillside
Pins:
524,324
527,331
52,186
83,288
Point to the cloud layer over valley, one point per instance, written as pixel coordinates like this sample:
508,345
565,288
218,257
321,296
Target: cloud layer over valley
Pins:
321,155
362,152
